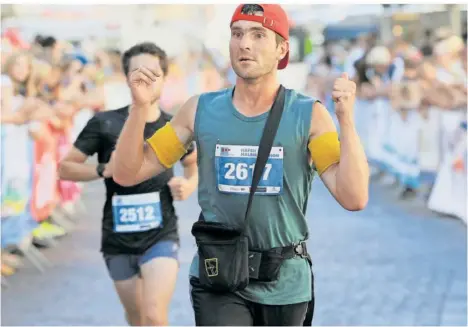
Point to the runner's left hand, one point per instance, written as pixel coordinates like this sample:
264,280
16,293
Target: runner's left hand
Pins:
344,94
180,188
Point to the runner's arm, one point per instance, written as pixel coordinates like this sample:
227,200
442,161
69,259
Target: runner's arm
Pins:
189,162
136,161
342,166
73,166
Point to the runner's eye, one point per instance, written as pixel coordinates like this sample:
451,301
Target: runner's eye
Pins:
236,34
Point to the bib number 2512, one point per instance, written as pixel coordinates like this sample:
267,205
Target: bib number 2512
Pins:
136,212
145,213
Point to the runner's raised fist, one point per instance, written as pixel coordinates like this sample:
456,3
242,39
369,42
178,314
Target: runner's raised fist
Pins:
344,93
142,82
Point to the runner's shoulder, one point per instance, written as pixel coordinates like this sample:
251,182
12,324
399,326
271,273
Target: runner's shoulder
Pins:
212,95
206,99
194,101
301,98
111,114
210,98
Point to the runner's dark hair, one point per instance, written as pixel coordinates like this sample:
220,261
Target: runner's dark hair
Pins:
145,48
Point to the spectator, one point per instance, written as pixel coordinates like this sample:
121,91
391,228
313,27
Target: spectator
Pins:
358,49
426,47
406,102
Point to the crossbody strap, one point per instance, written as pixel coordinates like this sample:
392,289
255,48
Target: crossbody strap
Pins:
266,143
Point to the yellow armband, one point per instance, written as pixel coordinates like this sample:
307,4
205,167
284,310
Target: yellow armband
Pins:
167,146
325,151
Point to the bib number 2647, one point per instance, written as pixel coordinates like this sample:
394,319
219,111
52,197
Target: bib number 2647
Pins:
242,171
235,166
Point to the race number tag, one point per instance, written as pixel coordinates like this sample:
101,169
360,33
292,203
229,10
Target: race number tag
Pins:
136,212
235,166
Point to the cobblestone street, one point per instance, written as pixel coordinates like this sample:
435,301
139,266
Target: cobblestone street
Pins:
391,264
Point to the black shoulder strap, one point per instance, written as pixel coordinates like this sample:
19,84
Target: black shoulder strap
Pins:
266,142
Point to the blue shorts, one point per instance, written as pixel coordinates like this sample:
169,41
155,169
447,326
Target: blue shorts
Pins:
126,266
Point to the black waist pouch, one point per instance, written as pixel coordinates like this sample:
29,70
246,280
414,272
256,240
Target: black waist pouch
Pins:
223,257
267,263
270,266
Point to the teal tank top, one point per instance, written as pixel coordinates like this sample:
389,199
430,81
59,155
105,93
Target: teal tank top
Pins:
224,140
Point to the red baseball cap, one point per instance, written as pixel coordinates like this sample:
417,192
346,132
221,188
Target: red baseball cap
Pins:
274,18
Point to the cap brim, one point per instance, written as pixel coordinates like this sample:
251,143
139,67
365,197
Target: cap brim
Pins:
284,62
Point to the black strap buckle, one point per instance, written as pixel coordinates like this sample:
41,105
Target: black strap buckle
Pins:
301,250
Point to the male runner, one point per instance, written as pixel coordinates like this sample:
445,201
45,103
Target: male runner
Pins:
139,230
225,124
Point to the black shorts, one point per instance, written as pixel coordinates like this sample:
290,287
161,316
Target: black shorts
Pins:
229,309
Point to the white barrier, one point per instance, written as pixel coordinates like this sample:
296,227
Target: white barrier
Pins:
417,149
449,195
362,118
429,143
16,166
377,130
16,169
407,139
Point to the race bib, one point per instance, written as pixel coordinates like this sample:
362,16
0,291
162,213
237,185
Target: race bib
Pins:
136,212
235,166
